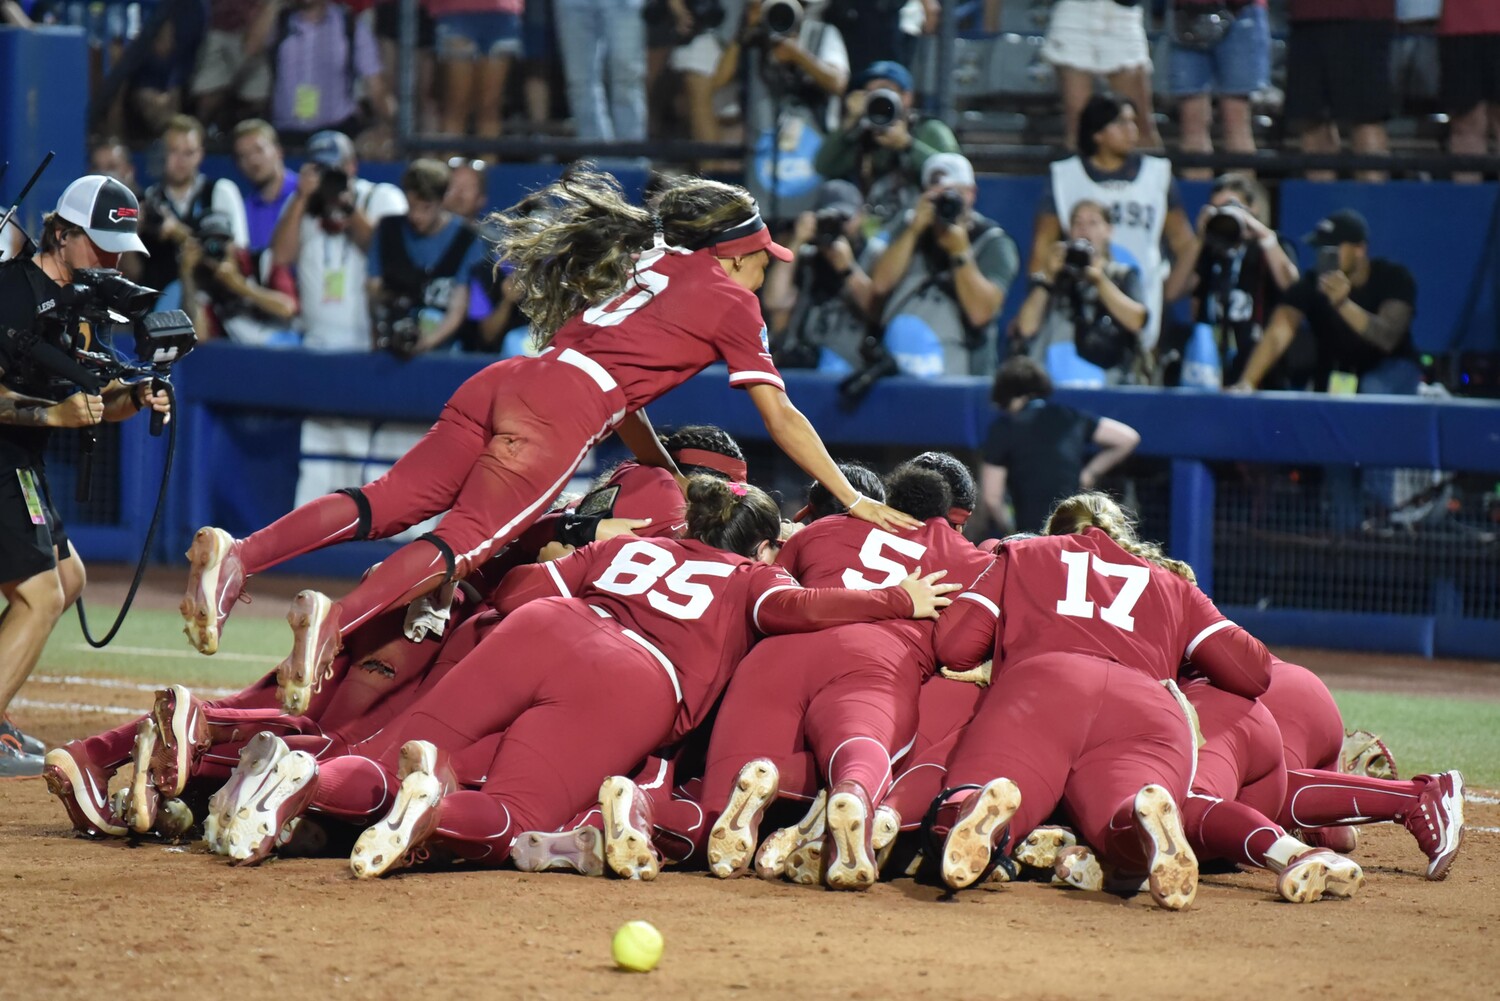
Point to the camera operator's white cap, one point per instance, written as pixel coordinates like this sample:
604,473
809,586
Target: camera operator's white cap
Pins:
953,169
107,211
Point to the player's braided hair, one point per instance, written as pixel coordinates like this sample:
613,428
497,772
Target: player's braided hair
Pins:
956,472
703,438
573,244
918,491
731,516
821,502
1076,513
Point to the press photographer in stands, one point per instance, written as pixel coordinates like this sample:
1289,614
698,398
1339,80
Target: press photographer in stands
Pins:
42,575
944,276
884,144
227,296
1082,318
821,303
1242,267
324,233
172,208
419,267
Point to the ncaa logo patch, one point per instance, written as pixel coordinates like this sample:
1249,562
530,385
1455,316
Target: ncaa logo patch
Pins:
765,339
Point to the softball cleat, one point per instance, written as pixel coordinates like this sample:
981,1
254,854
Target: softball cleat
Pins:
1040,848
580,850
733,837
971,841
248,780
143,798
83,788
1318,873
181,739
398,838
216,580
258,822
851,863
626,812
1172,868
771,859
315,642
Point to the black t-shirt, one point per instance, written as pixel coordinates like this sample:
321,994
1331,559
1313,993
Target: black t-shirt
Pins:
1237,294
20,446
1340,349
1043,448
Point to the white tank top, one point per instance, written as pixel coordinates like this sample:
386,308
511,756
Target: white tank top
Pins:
1138,210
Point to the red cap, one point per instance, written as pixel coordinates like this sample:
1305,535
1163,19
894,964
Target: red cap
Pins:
746,238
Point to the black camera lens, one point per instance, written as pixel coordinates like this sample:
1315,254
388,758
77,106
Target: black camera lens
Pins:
781,17
948,205
882,108
1224,229
830,225
1079,255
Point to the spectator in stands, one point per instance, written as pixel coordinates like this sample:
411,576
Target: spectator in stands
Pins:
880,30
111,157
1469,45
257,152
944,276
155,87
172,209
232,79
387,26
1359,309
1082,318
477,41
1221,51
492,298
1338,71
883,154
420,264
600,38
822,304
1142,198
1242,268
696,57
319,53
324,232
793,82
1037,450
223,291
1090,38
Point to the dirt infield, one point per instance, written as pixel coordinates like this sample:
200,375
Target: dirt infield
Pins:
84,918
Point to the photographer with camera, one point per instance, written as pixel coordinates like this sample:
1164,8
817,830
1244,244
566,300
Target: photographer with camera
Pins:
419,267
944,276
1241,270
324,233
1084,306
226,297
821,304
883,144
172,208
40,573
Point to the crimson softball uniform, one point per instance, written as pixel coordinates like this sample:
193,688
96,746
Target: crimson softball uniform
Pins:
1240,781
1077,713
511,436
1312,729
848,694
944,708
604,655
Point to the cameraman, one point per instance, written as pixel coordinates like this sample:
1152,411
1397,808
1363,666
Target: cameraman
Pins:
883,144
1083,305
947,269
172,209
224,295
822,302
323,233
419,266
1241,268
42,576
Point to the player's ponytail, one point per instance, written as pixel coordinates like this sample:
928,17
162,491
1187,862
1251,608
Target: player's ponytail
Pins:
1096,510
920,492
732,516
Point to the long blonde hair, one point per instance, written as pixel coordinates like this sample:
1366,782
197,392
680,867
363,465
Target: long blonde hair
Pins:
1080,511
573,244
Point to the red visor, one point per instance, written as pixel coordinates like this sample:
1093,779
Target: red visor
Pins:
747,238
732,468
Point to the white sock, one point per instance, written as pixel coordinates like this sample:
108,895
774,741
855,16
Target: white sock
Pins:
1280,854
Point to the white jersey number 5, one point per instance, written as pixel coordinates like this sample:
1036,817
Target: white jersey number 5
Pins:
645,285
1075,602
873,557
640,566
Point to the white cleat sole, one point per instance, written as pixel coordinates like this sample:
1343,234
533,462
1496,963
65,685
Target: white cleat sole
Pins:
627,849
257,762
1172,868
1042,846
580,850
804,866
1313,878
205,558
296,674
849,827
732,839
257,821
971,841
1078,867
776,849
386,846
142,800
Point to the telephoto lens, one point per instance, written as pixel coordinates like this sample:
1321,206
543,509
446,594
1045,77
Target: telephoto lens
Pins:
882,108
948,205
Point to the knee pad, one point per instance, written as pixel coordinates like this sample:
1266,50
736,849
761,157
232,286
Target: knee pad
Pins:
362,528
449,560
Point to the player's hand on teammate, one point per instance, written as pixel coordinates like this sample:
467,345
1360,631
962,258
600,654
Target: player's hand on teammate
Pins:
884,516
553,550
928,597
611,527
977,675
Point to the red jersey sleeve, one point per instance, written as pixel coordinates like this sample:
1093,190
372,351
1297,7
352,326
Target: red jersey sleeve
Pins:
557,578
746,347
778,604
966,629
1221,651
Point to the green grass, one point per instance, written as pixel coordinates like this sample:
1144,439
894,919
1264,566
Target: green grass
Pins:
1425,734
1429,734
